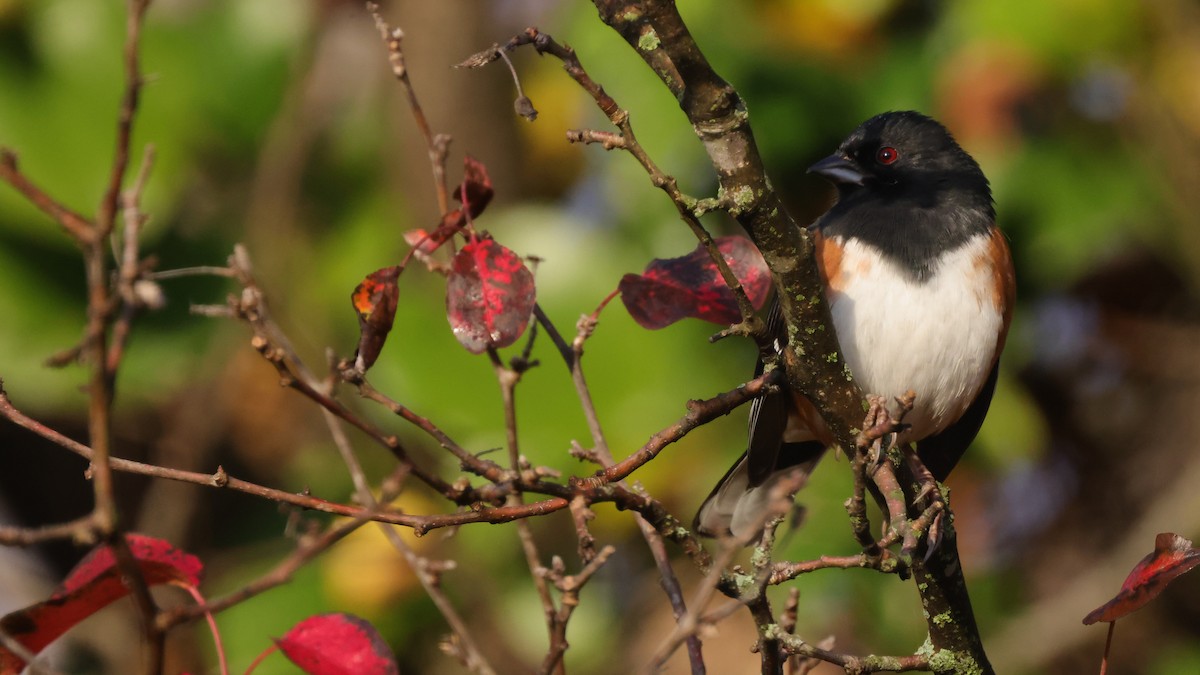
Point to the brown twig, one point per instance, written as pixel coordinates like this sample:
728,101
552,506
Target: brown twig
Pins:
811,357
80,530
130,270
802,665
699,413
273,345
76,225
508,379
786,571
569,586
469,461
222,480
693,619
106,216
307,549
851,664
686,206
573,356
472,657
438,145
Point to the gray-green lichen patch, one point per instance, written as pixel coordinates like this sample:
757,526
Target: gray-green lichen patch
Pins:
648,41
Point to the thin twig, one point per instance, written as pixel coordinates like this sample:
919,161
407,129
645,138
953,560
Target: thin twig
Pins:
130,266
76,225
222,480
669,581
80,530
508,379
474,659
469,461
570,587
686,206
437,145
850,663
197,271
306,550
691,621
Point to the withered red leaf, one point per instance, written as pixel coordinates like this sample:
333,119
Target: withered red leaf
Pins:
475,192
476,185
92,585
338,644
375,302
489,296
691,286
1173,555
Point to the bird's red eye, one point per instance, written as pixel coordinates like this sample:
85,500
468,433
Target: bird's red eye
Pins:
886,155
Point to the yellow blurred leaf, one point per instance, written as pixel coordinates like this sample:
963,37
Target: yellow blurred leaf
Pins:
364,573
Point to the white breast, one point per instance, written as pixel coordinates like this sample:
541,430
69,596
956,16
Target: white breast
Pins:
937,337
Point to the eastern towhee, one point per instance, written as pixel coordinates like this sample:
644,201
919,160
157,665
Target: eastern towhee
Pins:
921,287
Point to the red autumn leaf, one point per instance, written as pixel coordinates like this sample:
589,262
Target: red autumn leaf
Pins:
477,186
1173,555
375,301
92,585
489,296
338,644
475,192
691,286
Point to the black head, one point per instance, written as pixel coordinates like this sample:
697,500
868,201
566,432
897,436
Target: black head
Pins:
906,186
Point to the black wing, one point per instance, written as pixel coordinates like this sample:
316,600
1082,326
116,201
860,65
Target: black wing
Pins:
768,415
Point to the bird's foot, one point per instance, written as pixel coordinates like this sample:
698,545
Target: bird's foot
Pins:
930,500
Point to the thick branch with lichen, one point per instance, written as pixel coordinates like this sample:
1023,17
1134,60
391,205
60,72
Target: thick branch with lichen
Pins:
811,357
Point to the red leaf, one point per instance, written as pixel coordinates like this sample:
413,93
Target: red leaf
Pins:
489,296
338,644
375,301
691,286
476,184
92,585
475,192
1173,555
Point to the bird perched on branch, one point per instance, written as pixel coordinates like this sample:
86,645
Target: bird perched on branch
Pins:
921,288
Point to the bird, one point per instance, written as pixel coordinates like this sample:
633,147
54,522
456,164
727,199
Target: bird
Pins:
921,288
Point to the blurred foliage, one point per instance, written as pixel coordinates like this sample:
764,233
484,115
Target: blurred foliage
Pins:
277,124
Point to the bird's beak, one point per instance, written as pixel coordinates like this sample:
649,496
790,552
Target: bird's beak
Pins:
838,169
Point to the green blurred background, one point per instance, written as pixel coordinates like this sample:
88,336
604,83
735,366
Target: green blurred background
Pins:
277,124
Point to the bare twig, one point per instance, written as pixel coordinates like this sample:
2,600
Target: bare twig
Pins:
105,218
430,581
198,271
686,206
851,664
469,461
508,379
80,530
222,480
569,586
691,620
699,413
130,267
307,549
438,145
786,571
601,453
76,225
273,345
